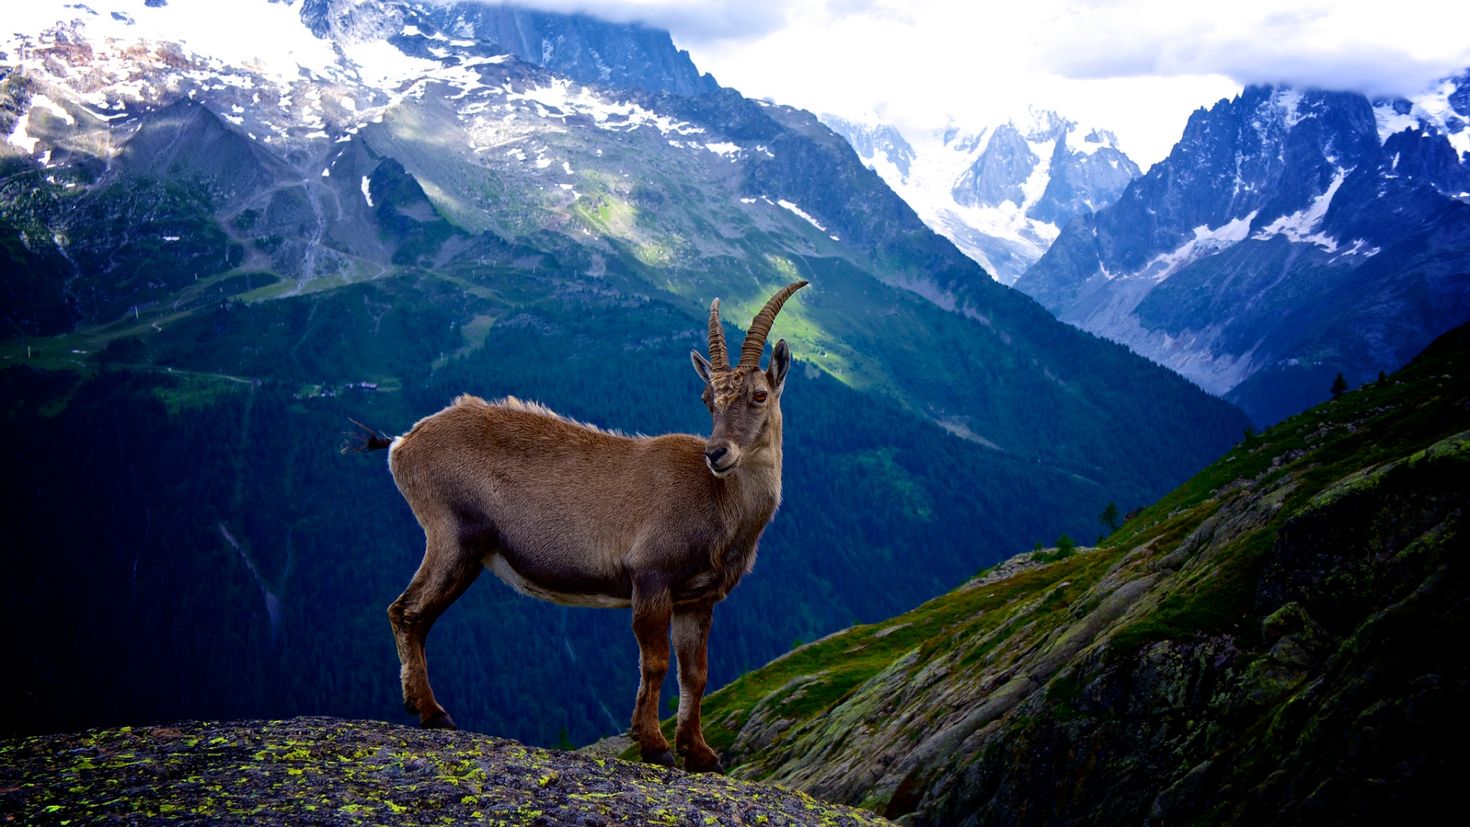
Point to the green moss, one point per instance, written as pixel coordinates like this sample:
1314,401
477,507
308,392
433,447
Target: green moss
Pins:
1216,602
978,618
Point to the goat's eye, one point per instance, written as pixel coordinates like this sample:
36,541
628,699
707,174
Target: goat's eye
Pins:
760,396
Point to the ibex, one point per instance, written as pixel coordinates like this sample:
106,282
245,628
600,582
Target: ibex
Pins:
583,517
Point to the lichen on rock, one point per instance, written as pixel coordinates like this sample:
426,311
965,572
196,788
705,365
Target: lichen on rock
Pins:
332,771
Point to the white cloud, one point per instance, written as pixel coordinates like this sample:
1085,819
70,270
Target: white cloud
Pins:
1377,48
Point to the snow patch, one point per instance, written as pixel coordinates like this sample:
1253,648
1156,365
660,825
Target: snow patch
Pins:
800,212
1206,240
1390,122
367,194
1300,226
1430,110
20,137
380,63
1289,102
1035,184
559,99
52,107
1360,248
725,148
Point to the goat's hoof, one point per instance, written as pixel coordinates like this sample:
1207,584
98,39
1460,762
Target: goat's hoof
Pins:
439,720
712,764
665,758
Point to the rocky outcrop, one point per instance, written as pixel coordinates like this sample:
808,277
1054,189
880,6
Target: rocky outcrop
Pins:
330,771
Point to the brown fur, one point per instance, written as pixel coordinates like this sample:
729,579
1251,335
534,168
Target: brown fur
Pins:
566,512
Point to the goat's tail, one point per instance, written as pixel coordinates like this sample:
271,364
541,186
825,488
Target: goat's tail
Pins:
364,439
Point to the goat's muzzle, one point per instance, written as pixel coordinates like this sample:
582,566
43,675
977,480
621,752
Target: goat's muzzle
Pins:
721,457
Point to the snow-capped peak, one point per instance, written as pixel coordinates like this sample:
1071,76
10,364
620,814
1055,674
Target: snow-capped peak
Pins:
1001,192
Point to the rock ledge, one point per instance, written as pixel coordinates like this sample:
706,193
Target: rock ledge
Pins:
332,771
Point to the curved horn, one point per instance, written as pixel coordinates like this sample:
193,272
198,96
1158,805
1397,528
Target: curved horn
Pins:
719,357
760,326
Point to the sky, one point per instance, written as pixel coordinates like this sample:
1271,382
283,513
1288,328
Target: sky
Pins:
1137,67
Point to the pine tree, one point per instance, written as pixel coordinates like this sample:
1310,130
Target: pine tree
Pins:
1109,517
1339,385
1065,546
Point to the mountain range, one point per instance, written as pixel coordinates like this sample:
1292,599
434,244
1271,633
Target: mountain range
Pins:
213,251
1289,236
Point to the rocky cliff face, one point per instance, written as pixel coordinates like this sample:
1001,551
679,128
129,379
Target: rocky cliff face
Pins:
330,771
1290,235
1274,641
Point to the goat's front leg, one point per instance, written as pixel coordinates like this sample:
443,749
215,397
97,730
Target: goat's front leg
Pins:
691,644
652,608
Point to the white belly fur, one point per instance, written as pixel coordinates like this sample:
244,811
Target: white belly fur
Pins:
513,578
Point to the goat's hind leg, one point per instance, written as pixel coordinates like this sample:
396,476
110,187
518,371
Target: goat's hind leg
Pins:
446,571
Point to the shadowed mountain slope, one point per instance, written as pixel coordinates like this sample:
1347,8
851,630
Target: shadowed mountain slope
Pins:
1273,641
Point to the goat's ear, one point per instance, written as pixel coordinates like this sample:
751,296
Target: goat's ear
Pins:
780,363
701,365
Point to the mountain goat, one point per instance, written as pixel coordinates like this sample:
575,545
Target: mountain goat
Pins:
579,516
